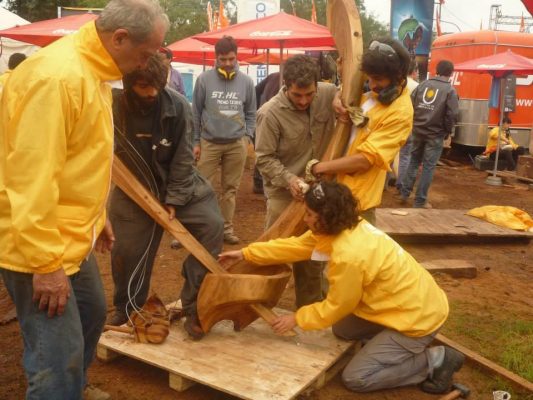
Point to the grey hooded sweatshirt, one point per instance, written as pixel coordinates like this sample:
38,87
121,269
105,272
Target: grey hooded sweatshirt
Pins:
223,110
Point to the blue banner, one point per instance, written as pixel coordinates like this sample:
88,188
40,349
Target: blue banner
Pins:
412,24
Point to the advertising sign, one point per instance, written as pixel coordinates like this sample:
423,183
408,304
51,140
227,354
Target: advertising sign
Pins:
412,24
254,9
509,93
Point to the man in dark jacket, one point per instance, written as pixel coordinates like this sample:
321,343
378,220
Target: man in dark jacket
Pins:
153,135
436,107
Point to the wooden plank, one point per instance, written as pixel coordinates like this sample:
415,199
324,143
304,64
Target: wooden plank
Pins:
440,223
455,268
486,364
252,364
507,174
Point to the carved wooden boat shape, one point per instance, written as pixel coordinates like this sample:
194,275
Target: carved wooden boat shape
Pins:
229,296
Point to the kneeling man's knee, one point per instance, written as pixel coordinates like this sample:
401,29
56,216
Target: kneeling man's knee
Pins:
355,381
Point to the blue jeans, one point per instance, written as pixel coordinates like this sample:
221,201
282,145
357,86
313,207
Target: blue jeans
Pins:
425,151
58,350
405,157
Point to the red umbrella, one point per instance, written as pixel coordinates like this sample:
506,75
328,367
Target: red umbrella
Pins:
42,33
498,65
276,31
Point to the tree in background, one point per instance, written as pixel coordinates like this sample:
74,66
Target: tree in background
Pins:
187,17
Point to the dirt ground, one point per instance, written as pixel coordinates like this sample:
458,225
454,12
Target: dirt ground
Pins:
500,295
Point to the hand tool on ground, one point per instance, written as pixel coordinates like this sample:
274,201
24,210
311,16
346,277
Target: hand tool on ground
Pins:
458,392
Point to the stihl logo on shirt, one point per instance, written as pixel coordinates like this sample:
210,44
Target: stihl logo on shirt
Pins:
227,101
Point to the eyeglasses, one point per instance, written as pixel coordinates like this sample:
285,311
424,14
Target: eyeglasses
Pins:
318,192
382,48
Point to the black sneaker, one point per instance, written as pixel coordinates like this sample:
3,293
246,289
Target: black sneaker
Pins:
117,319
441,381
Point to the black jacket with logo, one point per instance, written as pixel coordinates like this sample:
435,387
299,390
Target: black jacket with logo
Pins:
436,107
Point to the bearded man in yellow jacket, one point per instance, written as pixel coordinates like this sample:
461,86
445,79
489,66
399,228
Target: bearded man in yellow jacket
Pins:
378,294
389,112
56,146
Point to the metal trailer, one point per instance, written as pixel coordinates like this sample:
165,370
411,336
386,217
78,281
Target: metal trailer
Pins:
475,117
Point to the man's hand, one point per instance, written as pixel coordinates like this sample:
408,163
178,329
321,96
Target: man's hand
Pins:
196,151
106,239
340,110
296,186
284,323
52,291
228,258
171,211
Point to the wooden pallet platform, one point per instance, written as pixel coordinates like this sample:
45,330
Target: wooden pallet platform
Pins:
253,364
419,222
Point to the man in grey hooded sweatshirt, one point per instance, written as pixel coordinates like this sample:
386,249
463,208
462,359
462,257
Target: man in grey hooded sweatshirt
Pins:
224,108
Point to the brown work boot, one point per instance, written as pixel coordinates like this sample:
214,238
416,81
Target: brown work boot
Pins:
193,327
441,381
93,393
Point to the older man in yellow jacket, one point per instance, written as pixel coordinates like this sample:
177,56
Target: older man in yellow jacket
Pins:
56,145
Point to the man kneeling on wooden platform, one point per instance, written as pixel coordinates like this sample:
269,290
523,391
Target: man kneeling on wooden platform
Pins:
153,132
378,294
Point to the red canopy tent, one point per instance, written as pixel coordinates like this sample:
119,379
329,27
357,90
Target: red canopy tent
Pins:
499,66
42,33
277,31
529,5
193,51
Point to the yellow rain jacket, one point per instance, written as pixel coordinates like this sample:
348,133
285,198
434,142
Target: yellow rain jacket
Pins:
56,146
492,141
380,140
506,216
3,78
369,275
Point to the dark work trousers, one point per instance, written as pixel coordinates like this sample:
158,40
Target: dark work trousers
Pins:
137,241
510,156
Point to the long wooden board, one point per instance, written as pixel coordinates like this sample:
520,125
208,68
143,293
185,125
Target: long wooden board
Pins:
418,222
486,364
253,364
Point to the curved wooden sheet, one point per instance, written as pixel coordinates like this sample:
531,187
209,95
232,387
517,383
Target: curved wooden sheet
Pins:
225,297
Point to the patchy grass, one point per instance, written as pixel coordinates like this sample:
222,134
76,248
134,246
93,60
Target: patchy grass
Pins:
498,335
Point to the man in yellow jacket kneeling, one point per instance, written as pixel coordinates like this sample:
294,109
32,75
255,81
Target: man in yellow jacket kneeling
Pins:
378,293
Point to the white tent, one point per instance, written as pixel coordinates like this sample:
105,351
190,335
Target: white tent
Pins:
10,46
